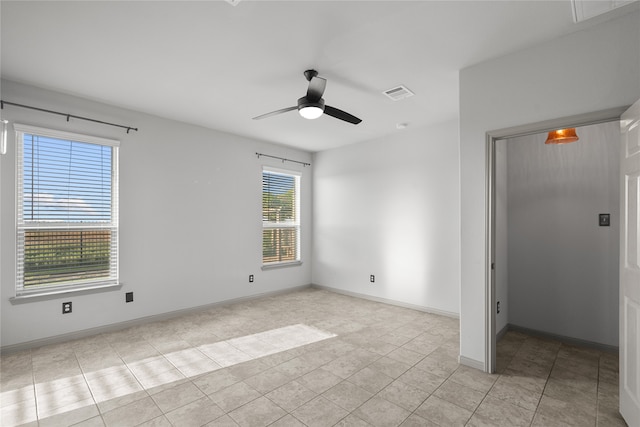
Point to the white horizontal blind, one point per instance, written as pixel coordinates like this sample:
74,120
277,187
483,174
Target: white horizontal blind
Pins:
280,216
67,210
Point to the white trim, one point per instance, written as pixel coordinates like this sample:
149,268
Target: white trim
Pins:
114,327
53,292
172,314
60,134
562,338
502,333
472,363
389,301
281,171
586,119
490,284
275,265
284,224
57,225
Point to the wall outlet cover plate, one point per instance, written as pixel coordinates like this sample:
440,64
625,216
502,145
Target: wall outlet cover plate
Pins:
604,220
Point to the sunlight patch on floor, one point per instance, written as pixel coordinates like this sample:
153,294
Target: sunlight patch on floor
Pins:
117,382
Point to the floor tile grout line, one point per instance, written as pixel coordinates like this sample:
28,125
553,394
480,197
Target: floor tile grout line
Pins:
124,363
84,375
598,391
546,382
434,391
493,385
35,389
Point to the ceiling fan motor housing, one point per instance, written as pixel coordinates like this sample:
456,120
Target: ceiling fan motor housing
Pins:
304,103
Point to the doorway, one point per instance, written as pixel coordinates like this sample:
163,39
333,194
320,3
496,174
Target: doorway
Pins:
496,237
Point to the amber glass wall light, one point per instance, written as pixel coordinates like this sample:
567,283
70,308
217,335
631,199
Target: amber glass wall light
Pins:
562,136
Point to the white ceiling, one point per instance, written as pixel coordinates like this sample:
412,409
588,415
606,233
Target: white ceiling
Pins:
216,65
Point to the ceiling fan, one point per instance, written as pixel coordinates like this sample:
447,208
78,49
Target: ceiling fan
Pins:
311,106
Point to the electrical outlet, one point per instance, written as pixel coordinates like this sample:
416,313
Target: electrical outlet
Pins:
66,307
372,278
498,307
128,297
251,278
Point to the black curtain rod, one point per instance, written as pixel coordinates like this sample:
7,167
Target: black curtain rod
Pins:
283,159
68,116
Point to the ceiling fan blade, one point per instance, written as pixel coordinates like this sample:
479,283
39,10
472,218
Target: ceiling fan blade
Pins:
275,113
316,89
342,115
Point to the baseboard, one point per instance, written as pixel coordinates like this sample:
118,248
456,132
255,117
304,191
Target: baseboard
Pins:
472,363
563,339
114,327
502,332
388,301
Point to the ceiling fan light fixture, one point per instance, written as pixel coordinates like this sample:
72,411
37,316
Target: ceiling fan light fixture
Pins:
562,136
310,110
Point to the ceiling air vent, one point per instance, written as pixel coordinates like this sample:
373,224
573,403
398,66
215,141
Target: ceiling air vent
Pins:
398,93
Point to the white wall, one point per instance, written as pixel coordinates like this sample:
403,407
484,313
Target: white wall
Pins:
586,71
563,267
190,218
390,207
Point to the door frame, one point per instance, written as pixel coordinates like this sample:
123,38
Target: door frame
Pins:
602,116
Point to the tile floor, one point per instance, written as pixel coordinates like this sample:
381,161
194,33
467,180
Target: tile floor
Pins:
306,358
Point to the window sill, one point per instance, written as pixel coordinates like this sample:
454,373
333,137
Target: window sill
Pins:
57,293
281,265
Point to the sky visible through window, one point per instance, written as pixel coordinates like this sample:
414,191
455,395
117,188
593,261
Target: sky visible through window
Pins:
66,181
276,183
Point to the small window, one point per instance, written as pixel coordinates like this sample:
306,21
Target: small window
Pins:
67,211
280,217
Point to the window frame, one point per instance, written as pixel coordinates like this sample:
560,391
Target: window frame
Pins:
295,224
23,225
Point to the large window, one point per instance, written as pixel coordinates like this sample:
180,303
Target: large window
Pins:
67,211
280,216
